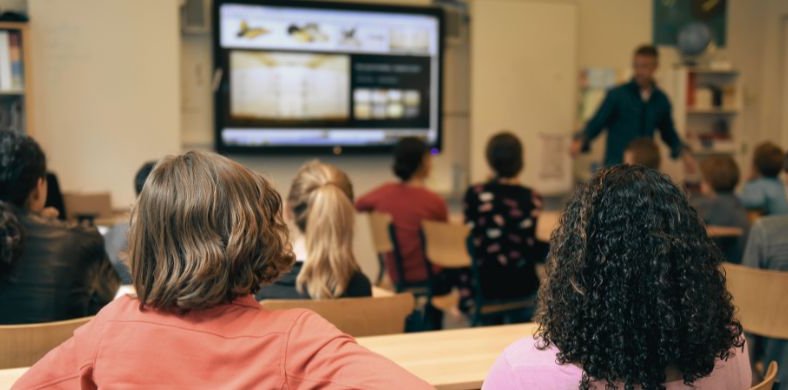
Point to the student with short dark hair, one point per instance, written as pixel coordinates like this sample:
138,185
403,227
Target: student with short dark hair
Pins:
503,214
320,205
635,297
48,270
765,192
206,234
409,202
117,237
719,206
643,151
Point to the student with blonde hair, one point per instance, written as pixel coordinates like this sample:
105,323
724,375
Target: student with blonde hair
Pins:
205,234
320,204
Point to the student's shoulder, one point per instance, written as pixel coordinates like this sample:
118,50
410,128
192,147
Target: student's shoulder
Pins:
524,363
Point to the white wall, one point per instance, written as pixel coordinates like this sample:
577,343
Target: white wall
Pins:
106,91
524,72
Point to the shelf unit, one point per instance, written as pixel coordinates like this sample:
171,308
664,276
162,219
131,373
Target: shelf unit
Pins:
706,107
19,101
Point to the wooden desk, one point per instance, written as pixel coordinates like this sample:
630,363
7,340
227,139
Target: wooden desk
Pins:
9,375
449,359
547,222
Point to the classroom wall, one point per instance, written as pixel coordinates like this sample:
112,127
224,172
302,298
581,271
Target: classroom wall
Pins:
106,90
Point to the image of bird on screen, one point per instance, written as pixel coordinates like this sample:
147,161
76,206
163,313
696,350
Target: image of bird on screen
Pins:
307,33
245,31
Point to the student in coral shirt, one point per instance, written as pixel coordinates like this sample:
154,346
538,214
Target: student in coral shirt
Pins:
205,234
634,298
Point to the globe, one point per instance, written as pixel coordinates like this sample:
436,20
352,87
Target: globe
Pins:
693,39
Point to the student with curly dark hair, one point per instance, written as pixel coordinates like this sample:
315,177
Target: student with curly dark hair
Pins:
635,297
48,271
206,234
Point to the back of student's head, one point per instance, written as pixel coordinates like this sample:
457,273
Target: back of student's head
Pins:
721,173
768,159
634,284
321,200
505,155
409,156
204,231
645,152
22,167
142,175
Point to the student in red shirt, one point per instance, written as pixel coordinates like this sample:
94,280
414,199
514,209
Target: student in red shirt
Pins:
205,235
408,202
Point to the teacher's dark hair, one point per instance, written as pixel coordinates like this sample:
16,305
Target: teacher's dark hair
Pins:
409,154
505,155
647,50
634,285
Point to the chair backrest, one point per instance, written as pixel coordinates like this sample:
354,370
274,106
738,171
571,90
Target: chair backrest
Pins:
379,227
547,222
759,296
724,231
445,244
24,344
96,205
357,317
768,379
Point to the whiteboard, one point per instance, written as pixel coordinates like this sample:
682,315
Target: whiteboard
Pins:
106,89
523,79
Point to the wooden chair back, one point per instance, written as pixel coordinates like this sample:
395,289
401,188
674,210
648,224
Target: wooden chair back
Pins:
759,296
768,380
379,227
357,317
96,205
445,244
547,222
24,344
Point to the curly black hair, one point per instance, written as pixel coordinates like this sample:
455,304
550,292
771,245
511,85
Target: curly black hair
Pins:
22,164
634,285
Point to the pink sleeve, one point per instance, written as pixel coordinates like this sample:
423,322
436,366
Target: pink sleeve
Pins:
501,376
68,366
319,355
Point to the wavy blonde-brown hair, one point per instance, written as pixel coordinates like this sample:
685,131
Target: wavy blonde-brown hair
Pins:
204,231
321,198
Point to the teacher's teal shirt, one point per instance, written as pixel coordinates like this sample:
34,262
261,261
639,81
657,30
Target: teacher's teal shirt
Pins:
627,117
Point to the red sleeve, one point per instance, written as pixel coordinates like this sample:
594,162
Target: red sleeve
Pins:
367,202
319,355
69,365
441,209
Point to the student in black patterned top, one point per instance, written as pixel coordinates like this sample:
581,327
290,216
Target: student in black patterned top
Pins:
503,214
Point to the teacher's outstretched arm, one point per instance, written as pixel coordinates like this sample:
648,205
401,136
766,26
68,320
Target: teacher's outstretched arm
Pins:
594,127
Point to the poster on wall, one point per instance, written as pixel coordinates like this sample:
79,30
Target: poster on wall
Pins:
671,16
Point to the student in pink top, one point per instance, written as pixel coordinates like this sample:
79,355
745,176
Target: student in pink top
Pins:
634,298
205,235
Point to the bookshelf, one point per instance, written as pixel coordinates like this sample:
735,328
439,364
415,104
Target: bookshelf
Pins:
16,109
706,108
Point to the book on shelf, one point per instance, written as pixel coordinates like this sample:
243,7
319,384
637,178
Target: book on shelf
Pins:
11,70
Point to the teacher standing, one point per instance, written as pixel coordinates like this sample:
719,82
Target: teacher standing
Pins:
633,110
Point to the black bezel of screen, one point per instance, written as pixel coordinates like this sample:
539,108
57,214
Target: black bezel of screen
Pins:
219,101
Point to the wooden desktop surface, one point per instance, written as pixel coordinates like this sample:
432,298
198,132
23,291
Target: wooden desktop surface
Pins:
448,359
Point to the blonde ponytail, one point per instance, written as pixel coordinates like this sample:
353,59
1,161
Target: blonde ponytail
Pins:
321,200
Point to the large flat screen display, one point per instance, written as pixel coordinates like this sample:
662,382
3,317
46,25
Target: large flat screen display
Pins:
319,76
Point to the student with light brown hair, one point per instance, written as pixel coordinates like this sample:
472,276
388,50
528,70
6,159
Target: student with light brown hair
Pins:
643,151
765,192
205,234
719,206
320,204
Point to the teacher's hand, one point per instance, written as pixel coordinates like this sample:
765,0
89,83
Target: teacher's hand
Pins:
575,148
